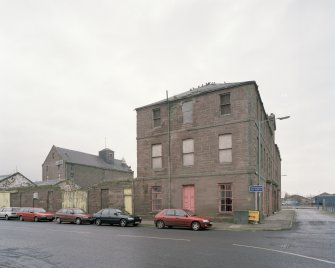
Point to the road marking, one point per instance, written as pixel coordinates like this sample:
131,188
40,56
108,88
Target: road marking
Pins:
155,237
285,252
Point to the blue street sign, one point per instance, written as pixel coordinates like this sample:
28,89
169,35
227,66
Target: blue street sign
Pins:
256,188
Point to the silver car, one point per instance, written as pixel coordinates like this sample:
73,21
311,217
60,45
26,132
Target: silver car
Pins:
9,213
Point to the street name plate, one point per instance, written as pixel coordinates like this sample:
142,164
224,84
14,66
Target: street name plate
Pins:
256,188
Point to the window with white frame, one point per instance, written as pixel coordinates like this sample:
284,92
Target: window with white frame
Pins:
225,103
156,117
156,154
225,148
187,109
156,198
188,152
225,197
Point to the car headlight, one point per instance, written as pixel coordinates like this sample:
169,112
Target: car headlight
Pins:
130,219
205,221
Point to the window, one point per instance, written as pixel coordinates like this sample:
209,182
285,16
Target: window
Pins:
156,154
188,152
180,213
187,110
225,103
156,198
225,197
225,148
156,116
169,212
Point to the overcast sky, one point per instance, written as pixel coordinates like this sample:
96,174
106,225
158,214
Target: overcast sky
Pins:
72,73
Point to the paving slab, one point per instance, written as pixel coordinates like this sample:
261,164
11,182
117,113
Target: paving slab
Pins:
282,220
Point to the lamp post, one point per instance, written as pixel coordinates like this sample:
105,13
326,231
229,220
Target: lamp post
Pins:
259,126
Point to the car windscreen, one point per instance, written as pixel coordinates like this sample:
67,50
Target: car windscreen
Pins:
39,210
189,212
122,212
78,211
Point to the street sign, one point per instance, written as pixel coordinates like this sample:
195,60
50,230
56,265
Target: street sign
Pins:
256,188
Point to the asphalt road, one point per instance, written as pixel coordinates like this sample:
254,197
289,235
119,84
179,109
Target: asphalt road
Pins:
310,243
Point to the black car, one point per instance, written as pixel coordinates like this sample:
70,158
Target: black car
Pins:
116,216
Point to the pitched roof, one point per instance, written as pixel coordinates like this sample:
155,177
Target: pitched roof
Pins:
75,157
5,177
204,89
47,182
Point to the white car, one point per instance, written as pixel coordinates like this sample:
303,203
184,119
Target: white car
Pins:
8,213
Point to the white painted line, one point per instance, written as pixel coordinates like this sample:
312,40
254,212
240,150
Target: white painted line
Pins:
155,237
285,252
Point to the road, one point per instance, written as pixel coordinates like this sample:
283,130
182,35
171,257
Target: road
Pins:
310,243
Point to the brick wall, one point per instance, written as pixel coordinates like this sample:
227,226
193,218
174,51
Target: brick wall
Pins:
207,172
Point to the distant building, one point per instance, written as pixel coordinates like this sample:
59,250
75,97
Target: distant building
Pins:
15,180
82,168
324,199
199,150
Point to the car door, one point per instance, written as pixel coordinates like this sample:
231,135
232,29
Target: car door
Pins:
169,217
63,215
105,216
114,218
2,214
70,216
181,218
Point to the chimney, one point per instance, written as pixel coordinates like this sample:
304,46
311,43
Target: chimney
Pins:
107,155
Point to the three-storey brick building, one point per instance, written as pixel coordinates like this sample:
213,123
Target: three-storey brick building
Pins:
199,150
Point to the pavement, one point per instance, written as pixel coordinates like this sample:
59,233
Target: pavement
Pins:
282,220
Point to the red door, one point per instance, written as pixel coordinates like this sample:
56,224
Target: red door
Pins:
188,197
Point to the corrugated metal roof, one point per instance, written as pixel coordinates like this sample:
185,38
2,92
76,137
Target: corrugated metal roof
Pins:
204,89
80,158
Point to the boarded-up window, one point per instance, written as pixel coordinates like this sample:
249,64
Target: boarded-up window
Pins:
188,152
187,109
225,103
156,198
156,153
104,198
225,148
225,197
156,116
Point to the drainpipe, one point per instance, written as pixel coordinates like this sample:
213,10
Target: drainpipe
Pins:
169,147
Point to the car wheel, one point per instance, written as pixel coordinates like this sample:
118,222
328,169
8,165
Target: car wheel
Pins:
98,222
160,224
6,218
35,219
195,226
58,220
51,220
123,223
21,218
78,221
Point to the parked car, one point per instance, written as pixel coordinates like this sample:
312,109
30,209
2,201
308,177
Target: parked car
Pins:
73,215
9,213
181,218
116,216
35,214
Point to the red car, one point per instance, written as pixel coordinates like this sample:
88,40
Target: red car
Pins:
73,215
181,218
34,214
